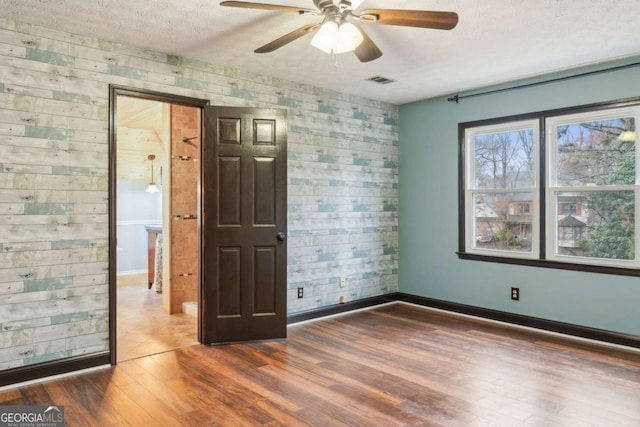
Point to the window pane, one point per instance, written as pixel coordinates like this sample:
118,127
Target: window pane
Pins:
602,225
504,159
596,152
503,221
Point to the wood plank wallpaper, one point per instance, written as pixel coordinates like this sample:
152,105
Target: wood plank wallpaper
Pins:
54,88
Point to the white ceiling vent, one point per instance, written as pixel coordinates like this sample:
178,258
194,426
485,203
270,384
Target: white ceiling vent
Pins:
380,79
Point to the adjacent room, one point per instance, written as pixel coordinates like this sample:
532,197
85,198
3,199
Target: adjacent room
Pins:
152,318
320,212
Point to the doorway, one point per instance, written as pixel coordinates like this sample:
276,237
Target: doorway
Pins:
155,181
236,158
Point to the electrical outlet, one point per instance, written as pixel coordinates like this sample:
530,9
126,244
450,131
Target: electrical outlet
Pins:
300,292
515,294
343,282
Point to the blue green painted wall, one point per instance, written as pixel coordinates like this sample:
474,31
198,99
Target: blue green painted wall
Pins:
428,264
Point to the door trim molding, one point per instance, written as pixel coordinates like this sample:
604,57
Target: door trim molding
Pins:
114,92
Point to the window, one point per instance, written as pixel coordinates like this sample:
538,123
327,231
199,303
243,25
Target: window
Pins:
552,188
502,187
592,162
569,208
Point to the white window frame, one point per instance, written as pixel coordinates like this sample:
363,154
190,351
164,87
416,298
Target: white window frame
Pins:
544,224
471,189
552,188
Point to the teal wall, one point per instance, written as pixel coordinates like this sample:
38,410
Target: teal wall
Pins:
428,180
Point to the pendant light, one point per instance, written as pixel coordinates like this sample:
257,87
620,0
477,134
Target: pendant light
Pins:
152,188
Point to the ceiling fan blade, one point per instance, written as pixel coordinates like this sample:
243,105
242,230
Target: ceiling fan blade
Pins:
287,38
264,6
411,18
367,50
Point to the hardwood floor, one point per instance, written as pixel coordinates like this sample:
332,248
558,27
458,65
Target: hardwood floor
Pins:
390,366
143,327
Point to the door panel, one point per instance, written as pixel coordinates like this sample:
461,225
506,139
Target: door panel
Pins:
244,215
230,268
264,202
229,191
264,281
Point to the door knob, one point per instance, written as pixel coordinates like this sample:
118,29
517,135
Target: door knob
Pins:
281,236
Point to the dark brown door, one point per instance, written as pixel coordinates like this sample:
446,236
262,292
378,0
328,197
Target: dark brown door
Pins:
244,219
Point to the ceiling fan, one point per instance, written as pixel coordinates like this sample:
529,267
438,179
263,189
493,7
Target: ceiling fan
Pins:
339,31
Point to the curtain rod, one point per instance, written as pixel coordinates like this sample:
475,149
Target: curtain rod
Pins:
456,98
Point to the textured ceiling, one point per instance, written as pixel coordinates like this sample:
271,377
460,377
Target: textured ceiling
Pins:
495,40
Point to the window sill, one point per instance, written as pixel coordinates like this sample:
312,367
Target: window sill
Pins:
551,264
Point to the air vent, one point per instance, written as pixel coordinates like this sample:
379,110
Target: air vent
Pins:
381,80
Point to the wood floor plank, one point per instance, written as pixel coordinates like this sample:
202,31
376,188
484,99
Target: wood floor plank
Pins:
9,396
230,387
319,418
61,393
261,384
265,388
111,405
397,368
334,371
210,402
153,406
396,365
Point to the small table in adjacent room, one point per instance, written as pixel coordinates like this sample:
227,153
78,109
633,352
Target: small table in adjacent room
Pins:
152,232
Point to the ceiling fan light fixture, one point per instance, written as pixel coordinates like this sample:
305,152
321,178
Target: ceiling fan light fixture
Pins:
349,38
334,38
327,37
